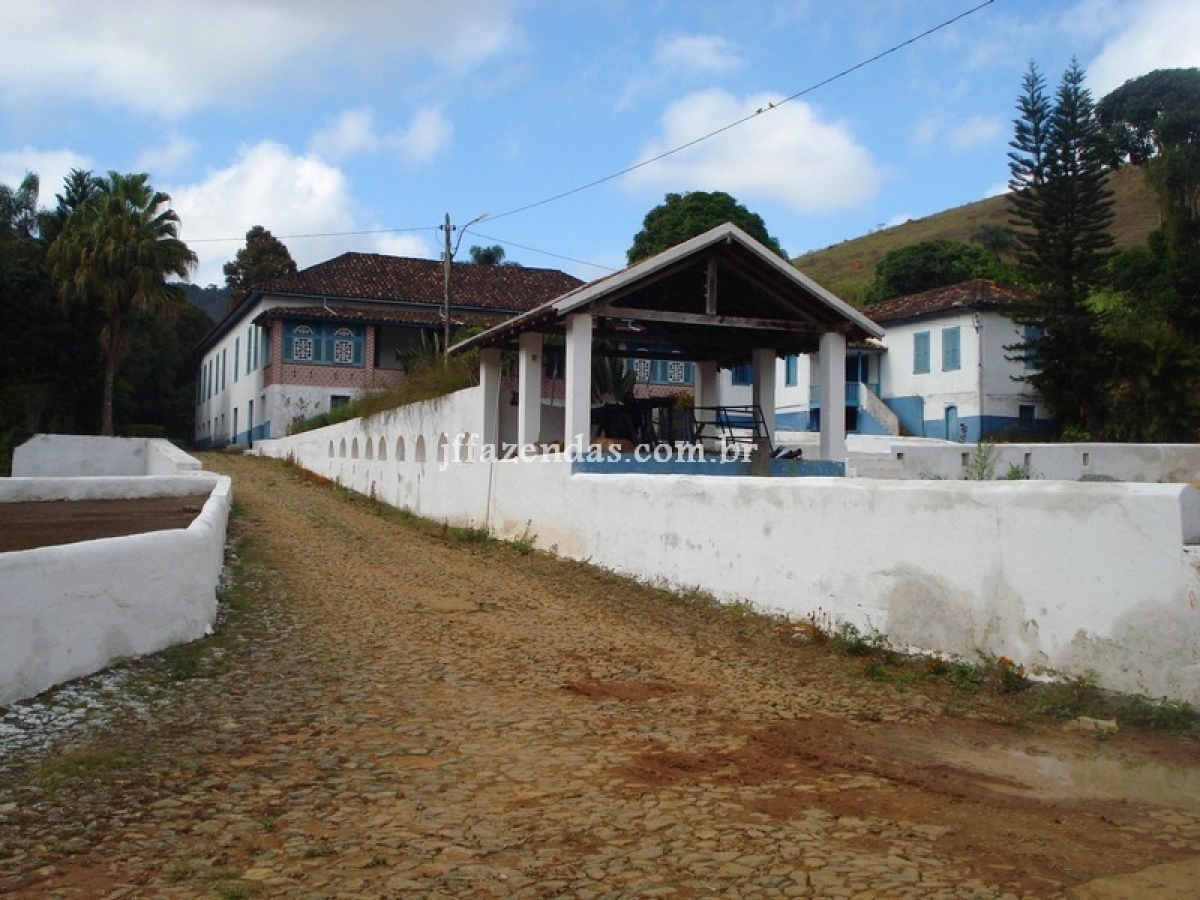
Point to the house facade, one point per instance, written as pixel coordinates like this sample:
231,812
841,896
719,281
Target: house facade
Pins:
945,369
306,343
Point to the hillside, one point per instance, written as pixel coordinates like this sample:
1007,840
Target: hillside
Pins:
211,300
849,267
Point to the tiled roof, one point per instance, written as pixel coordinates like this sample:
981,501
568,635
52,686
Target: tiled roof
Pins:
978,294
371,276
378,315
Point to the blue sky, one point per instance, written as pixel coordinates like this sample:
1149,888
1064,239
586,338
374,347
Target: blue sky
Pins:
358,125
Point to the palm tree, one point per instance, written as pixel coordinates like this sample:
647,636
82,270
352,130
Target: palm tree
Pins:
116,250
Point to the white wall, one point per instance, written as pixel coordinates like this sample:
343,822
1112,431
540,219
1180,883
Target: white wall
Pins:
1048,462
1074,577
72,610
86,455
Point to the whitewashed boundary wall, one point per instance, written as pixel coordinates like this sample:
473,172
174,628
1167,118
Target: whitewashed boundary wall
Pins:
1075,577
88,456
71,610
1061,462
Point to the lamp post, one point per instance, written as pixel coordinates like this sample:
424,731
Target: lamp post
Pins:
447,259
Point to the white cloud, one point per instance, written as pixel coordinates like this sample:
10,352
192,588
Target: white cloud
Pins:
696,53
976,131
351,132
403,245
267,185
171,58
427,133
164,158
1148,35
50,166
354,131
683,56
996,190
787,153
926,131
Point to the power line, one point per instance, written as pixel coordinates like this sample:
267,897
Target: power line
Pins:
661,156
724,128
582,262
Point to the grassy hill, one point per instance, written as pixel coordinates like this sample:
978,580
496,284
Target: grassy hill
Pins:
848,268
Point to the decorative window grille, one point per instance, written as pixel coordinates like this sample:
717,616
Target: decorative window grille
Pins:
641,369
676,374
343,346
302,344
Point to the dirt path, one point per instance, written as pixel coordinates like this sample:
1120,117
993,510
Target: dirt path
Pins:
398,713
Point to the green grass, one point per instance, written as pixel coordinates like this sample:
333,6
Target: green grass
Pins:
848,268
427,380
84,763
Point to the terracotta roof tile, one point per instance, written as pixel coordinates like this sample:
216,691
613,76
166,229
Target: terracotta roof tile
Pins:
978,294
372,276
378,315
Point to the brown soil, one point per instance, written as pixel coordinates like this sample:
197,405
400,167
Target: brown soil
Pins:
418,714
30,524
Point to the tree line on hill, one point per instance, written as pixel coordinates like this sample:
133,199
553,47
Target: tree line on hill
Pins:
1115,335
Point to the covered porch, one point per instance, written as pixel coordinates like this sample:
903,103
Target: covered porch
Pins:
718,300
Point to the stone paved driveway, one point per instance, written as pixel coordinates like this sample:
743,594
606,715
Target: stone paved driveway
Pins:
397,712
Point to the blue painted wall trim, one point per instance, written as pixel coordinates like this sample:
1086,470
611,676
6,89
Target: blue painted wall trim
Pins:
978,429
779,468
911,413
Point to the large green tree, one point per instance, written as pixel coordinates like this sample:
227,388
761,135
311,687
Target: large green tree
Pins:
683,216
1153,122
116,250
264,257
49,358
931,264
1061,210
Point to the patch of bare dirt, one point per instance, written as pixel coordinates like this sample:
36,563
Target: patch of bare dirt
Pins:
49,523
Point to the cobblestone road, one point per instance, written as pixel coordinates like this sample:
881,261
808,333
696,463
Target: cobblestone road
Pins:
394,712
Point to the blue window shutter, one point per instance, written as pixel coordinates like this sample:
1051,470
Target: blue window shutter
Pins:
921,353
951,349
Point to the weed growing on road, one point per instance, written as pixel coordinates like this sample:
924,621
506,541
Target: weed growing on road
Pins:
80,763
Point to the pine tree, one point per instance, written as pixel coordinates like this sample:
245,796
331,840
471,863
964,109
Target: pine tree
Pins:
1061,210
264,257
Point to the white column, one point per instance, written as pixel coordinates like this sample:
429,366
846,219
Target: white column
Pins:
489,385
707,375
832,362
529,389
578,413
762,390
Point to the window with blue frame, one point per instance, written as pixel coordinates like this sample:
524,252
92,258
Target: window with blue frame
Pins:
791,367
743,374
334,345
921,353
951,349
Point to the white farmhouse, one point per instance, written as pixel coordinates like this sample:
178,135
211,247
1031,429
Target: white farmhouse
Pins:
304,343
946,368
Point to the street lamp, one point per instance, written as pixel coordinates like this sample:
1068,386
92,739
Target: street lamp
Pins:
447,258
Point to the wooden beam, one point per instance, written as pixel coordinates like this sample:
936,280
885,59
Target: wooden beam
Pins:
681,318
710,294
